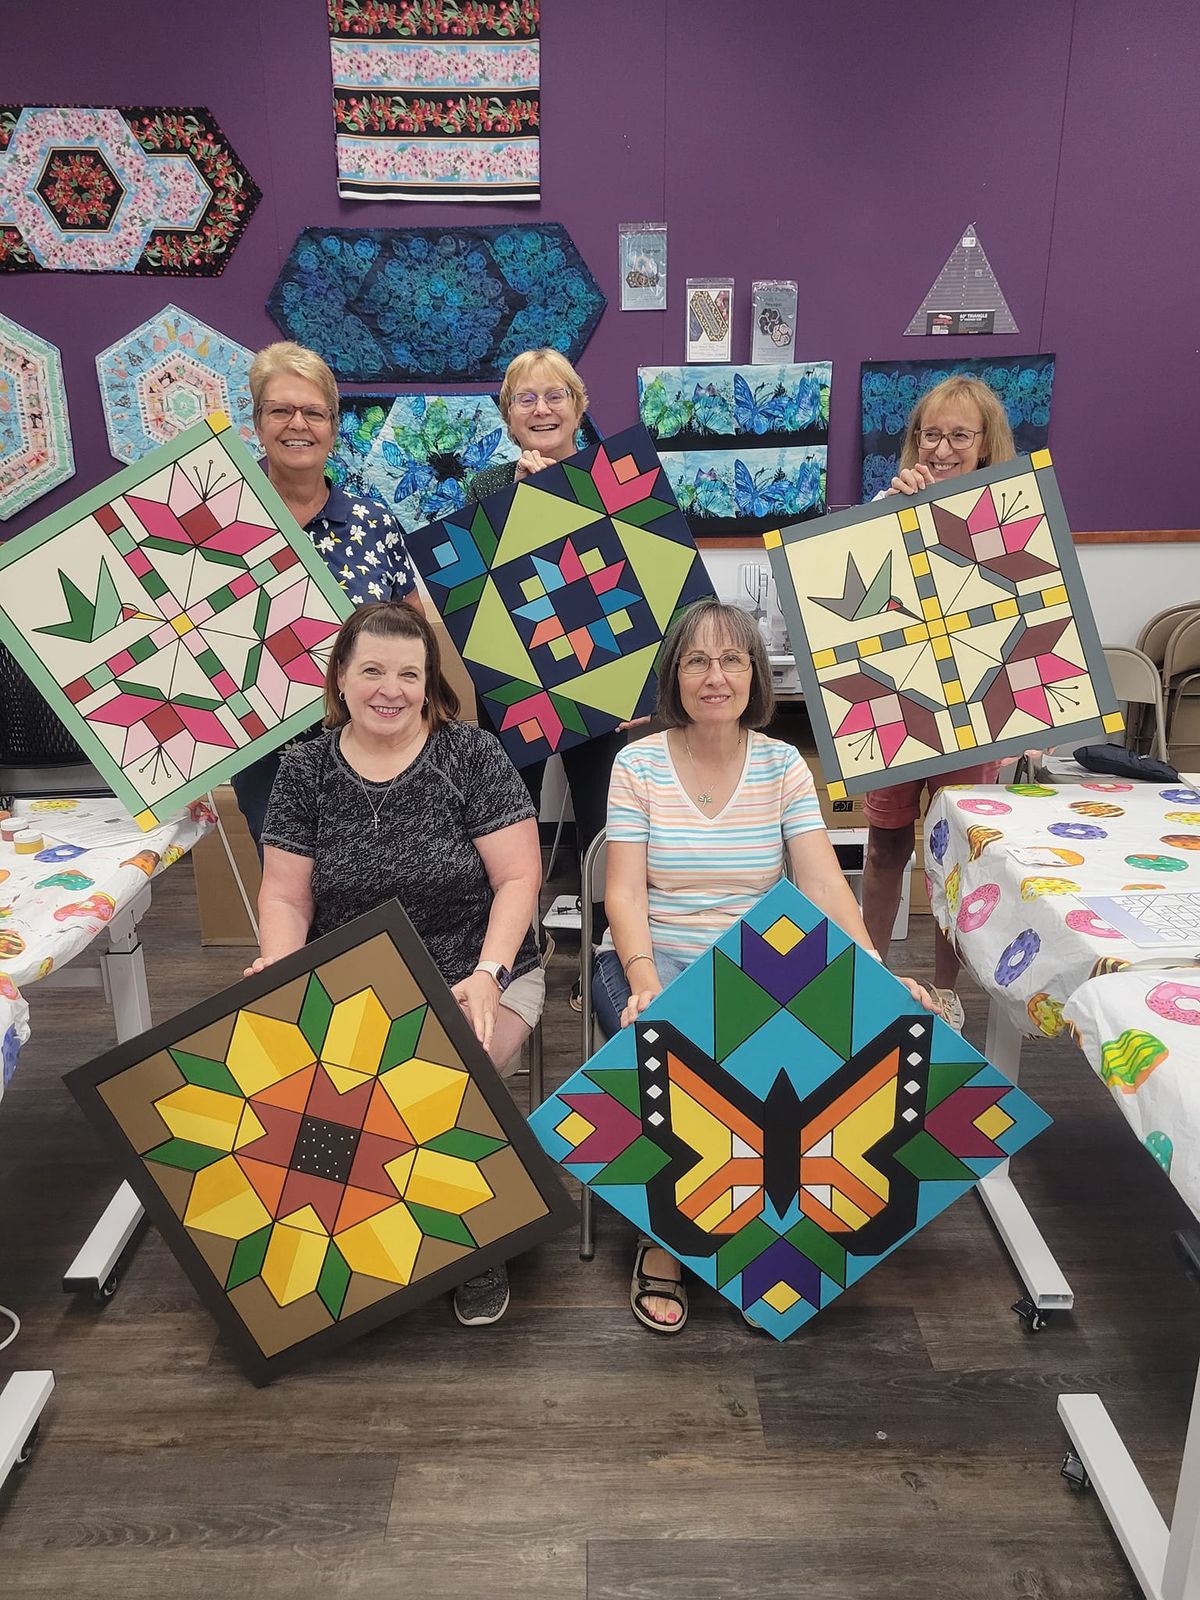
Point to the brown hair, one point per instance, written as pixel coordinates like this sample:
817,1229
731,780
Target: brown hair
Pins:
389,619
997,444
520,370
290,360
743,635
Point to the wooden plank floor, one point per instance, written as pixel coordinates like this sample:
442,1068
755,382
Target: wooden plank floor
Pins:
904,1445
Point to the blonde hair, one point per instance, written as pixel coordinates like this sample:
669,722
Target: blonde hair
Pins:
997,443
520,370
287,359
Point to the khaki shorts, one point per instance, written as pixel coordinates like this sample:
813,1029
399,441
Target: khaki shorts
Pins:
526,996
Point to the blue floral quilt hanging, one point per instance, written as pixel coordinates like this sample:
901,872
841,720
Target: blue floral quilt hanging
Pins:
890,389
435,305
418,452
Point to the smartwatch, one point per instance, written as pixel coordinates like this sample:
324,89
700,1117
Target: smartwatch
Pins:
497,970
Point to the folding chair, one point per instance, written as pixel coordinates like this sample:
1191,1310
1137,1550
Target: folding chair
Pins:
1180,663
38,757
591,893
1136,682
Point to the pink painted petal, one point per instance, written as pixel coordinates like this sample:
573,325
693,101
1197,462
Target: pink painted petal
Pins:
303,669
206,726
538,707
617,496
608,577
287,606
890,740
239,538
139,741
1018,534
157,518
857,720
982,514
183,494
182,751
312,631
570,565
125,710
1034,702
1053,669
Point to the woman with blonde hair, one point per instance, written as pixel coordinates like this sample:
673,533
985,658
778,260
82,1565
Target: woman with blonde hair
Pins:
542,401
956,428
295,416
397,799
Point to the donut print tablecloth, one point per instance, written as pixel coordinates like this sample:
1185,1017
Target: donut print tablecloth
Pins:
53,903
1141,1032
1006,867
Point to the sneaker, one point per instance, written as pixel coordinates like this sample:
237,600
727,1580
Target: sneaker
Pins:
577,995
484,1299
951,1007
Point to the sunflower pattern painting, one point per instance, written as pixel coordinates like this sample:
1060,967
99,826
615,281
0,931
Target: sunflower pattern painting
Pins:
324,1145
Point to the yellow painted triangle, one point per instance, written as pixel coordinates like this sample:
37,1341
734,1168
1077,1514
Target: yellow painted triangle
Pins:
493,640
249,1129
344,1079
535,518
660,565
614,687
400,1170
307,1221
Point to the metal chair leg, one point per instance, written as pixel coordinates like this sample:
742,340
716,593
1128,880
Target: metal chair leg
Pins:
587,1233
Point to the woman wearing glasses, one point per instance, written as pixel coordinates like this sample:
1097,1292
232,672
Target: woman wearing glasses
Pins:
295,416
542,401
959,425
699,819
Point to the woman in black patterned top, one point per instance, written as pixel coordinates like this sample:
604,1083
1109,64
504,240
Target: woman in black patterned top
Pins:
397,799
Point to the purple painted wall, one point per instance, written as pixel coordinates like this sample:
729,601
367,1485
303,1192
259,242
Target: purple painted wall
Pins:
842,145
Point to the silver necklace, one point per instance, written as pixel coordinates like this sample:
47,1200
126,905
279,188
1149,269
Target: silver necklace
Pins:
377,810
705,797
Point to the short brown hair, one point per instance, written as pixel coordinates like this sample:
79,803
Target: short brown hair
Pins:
997,442
288,359
389,619
743,635
520,368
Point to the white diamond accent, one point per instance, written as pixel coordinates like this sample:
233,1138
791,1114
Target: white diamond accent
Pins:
911,1086
910,1115
917,1030
653,1063
914,1060
654,1091
650,1035
655,1117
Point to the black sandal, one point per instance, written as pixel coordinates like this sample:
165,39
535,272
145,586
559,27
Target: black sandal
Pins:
643,1288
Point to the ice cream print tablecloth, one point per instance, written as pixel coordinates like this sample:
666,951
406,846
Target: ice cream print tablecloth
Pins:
1141,1032
1011,871
75,866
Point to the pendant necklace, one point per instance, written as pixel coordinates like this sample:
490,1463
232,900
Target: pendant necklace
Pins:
705,797
376,810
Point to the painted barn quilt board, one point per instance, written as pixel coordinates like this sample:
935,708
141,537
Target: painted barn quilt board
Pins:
168,374
558,591
436,99
324,1145
418,452
35,433
435,305
943,629
744,448
176,618
783,1116
890,389
155,190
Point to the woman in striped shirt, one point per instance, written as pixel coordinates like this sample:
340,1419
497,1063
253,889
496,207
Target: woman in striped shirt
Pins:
699,818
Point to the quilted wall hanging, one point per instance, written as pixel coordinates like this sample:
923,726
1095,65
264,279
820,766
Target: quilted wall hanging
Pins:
35,435
436,99
168,374
176,619
941,630
890,389
324,1145
557,593
155,190
418,452
744,447
782,1117
435,305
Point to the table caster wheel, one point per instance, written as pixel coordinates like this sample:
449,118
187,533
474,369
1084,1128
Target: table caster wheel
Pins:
26,1450
1074,1471
105,1291
1033,1317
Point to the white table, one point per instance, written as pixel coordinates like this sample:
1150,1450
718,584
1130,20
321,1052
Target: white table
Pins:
87,890
1047,964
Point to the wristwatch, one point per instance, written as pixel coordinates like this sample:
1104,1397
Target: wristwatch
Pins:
497,970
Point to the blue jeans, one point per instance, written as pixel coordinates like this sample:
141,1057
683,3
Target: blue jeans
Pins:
610,987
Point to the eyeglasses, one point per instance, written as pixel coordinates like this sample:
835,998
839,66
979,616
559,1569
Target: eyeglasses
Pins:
527,399
960,438
696,664
318,416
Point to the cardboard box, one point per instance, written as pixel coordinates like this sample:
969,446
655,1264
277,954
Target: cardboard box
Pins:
223,917
847,813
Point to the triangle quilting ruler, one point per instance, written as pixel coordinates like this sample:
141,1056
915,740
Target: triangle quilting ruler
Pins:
966,283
